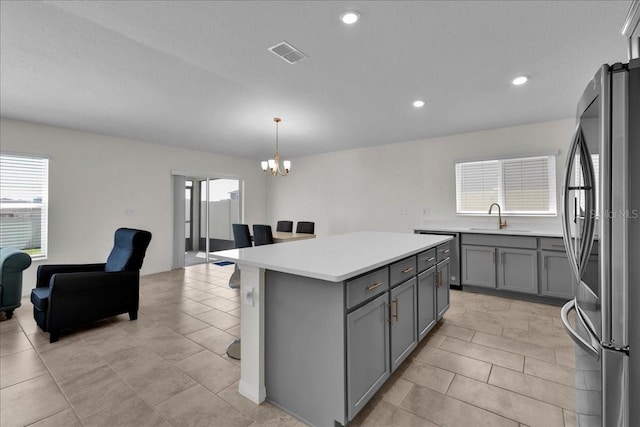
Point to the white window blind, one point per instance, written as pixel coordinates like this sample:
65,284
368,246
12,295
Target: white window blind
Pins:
579,180
522,186
24,190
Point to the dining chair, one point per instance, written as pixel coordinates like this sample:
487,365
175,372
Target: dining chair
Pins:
285,226
307,227
262,234
241,235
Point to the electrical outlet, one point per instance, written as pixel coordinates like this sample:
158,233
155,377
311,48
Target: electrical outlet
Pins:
426,211
248,297
403,211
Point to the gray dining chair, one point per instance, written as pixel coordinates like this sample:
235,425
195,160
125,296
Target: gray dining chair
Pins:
286,226
307,227
262,235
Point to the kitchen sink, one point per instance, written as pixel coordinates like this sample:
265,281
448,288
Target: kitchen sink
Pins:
503,230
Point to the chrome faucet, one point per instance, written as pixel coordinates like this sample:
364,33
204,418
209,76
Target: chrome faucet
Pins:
502,224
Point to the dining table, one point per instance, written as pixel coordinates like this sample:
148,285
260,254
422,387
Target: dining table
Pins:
287,236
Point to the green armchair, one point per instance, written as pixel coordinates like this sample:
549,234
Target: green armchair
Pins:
12,263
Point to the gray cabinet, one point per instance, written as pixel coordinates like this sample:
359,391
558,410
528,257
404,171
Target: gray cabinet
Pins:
556,277
479,266
403,321
450,249
517,270
368,352
426,301
433,292
507,263
330,346
442,287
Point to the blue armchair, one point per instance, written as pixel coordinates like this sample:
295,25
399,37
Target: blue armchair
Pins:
71,295
12,263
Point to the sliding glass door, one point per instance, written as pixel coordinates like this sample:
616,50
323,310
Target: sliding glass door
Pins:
219,208
204,209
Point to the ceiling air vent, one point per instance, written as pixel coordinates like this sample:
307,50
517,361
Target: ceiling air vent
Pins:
287,52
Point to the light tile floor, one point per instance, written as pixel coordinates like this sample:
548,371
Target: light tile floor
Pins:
491,362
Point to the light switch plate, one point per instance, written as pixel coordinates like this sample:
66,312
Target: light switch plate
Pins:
248,297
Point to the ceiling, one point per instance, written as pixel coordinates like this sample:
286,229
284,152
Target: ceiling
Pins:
197,74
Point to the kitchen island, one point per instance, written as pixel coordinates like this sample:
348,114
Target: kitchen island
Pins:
325,321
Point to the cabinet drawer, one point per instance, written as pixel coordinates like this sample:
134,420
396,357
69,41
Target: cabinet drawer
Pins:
364,287
523,242
402,270
426,259
443,251
552,244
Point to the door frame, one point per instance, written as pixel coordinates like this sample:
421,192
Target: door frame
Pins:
178,177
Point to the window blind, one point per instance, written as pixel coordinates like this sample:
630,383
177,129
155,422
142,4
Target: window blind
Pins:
579,180
522,186
477,185
24,190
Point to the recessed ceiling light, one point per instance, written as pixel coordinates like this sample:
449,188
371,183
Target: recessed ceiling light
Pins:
350,17
520,80
418,103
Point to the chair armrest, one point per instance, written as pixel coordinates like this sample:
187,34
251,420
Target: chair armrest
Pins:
43,276
97,281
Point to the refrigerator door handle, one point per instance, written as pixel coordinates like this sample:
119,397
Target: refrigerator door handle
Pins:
591,348
590,205
566,204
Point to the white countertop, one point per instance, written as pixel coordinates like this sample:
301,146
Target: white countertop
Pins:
484,227
334,258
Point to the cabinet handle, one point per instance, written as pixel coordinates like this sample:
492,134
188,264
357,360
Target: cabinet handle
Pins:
438,279
407,270
502,257
544,262
447,251
430,259
494,256
391,315
375,285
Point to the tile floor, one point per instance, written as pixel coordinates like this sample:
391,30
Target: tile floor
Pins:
491,362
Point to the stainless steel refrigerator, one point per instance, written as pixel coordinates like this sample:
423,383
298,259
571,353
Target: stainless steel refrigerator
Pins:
601,225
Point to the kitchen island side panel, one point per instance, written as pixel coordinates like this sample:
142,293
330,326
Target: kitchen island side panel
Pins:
305,347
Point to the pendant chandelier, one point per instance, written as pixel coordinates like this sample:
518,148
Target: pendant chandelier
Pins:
272,166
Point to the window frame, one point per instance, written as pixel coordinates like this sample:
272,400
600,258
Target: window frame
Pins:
551,181
43,194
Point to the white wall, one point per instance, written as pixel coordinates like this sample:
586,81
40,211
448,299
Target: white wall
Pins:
94,178
365,189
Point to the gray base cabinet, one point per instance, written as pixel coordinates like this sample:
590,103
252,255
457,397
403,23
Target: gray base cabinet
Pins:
329,347
535,267
403,322
556,278
367,352
442,287
507,263
479,266
518,270
426,302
